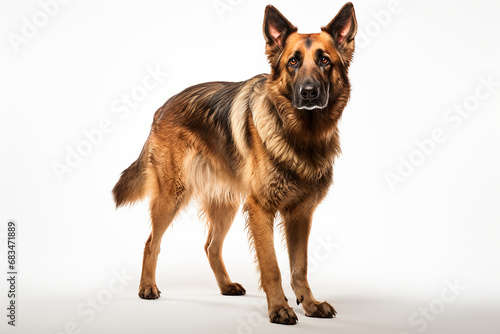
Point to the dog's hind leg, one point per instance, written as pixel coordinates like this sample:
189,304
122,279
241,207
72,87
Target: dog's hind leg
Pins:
164,207
220,215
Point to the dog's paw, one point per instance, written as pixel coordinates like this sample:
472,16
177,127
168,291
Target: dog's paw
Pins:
149,292
319,310
283,315
234,289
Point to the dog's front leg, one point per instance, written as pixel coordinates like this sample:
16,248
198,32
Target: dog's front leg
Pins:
261,227
297,223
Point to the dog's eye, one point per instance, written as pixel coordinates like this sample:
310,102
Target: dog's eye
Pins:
325,61
293,62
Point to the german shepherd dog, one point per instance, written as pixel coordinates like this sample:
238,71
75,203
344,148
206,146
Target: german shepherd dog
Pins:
268,142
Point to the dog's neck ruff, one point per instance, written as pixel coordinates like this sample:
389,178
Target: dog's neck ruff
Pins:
269,128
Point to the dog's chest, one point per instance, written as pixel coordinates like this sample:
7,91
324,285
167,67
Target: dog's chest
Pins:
278,189
282,188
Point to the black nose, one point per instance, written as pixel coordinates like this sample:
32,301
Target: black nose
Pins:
309,92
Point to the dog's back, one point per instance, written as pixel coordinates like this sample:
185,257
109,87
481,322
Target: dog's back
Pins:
199,139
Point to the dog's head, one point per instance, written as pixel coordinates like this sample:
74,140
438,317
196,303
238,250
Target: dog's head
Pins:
310,70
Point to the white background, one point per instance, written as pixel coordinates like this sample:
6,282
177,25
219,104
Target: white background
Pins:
379,255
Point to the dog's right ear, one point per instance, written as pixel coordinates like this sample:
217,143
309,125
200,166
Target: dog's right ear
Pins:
276,30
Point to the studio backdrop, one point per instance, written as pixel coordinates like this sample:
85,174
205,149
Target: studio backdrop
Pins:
405,242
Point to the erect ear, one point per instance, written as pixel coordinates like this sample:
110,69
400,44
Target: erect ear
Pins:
343,29
276,29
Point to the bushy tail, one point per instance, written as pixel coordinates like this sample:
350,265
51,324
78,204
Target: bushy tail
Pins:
132,184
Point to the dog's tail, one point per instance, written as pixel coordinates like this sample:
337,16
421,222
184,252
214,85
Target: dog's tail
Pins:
131,187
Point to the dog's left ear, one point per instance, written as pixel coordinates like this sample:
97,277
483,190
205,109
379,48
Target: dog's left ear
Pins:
276,30
343,29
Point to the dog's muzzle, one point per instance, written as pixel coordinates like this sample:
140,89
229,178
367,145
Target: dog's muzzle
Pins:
311,95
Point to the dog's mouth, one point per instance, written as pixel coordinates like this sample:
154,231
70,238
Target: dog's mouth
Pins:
316,104
313,106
